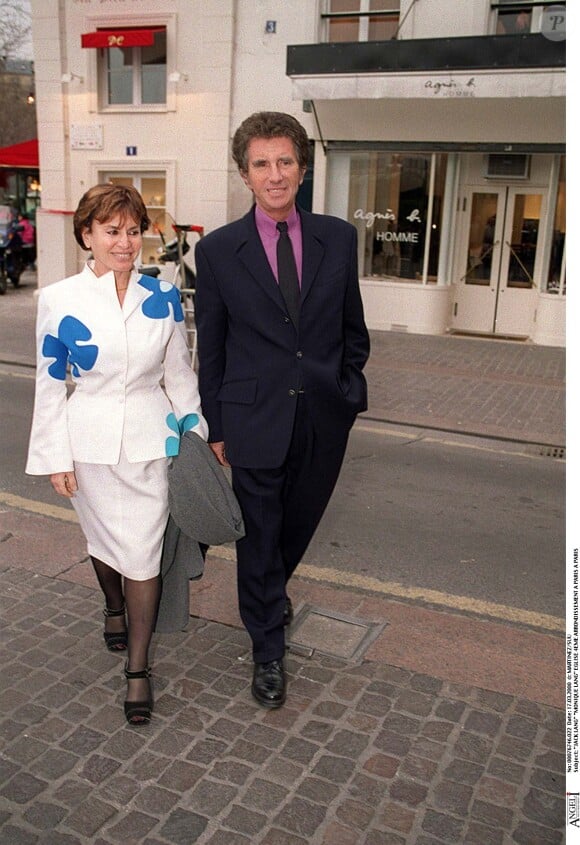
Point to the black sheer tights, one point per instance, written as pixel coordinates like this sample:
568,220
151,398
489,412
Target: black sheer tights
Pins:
142,600
111,584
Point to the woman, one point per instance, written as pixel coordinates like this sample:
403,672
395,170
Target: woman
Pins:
28,238
107,446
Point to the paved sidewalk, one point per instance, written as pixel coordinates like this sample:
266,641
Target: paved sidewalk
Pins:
493,388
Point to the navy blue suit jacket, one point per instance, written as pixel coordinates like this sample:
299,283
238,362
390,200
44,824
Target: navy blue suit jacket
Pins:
252,359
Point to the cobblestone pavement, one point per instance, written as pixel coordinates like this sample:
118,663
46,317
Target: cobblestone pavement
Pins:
363,753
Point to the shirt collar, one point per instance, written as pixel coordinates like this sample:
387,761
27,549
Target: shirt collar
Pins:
267,225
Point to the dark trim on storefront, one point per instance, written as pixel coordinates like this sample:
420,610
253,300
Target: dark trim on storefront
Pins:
444,147
481,52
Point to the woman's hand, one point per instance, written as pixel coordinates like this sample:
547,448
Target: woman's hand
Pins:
64,483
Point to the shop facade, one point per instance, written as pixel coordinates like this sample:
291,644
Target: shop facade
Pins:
456,240
448,155
441,138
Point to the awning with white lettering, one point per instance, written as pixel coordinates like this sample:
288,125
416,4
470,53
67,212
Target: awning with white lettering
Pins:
125,37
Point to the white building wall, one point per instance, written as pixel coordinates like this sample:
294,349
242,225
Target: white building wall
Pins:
259,74
56,248
234,67
191,138
444,19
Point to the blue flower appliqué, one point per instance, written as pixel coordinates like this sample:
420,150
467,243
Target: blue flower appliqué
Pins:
65,348
186,423
163,294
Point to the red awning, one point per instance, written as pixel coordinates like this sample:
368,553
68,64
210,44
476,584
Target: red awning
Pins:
20,155
121,37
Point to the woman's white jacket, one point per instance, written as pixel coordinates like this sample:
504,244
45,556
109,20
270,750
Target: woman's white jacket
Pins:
134,386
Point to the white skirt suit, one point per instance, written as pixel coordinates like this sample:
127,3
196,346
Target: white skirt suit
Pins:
134,393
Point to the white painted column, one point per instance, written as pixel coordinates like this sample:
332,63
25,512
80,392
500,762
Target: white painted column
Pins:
57,251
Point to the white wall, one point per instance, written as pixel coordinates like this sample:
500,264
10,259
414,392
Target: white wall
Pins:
192,135
56,246
445,18
259,74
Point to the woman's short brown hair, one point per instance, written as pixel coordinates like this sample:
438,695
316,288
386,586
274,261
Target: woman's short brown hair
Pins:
104,202
270,124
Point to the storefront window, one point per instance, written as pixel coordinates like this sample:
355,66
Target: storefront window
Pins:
396,202
20,189
557,268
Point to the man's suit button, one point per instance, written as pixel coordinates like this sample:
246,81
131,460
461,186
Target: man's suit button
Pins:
299,354
291,392
286,319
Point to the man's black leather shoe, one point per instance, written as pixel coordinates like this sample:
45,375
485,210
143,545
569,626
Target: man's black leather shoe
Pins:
269,684
288,612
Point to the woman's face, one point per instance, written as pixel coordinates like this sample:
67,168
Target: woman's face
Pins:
115,244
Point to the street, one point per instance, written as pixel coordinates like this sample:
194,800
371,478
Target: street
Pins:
473,519
464,516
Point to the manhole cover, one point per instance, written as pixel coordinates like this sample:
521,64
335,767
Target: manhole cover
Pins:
331,633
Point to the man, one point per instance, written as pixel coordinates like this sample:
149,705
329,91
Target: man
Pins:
280,372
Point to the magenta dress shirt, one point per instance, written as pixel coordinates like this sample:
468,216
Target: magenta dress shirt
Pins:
269,237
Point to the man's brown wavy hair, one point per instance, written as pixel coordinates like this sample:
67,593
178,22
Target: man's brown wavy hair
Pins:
270,124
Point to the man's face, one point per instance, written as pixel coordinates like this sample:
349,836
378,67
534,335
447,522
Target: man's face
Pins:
274,175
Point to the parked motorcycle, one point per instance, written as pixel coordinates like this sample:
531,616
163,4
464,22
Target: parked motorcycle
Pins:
12,260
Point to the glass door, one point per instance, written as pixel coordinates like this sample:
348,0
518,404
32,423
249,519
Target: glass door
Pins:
520,262
476,291
500,246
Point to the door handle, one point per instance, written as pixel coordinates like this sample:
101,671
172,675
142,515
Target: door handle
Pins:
517,258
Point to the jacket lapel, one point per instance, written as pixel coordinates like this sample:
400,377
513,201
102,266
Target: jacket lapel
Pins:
136,293
313,249
252,255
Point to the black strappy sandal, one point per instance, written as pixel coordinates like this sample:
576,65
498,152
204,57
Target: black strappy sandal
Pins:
115,641
138,712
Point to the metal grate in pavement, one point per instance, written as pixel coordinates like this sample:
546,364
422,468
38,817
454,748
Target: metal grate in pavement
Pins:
558,452
318,630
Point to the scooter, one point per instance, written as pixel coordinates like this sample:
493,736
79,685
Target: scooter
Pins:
12,261
172,252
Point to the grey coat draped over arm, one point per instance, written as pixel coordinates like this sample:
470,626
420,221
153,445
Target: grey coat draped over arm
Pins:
203,512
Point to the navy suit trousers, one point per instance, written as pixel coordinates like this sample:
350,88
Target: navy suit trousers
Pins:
281,508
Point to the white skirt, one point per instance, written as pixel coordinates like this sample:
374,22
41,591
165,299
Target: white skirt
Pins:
123,511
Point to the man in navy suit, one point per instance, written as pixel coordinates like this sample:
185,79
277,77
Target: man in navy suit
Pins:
281,381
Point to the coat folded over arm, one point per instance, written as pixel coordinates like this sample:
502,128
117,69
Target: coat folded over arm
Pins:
203,512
